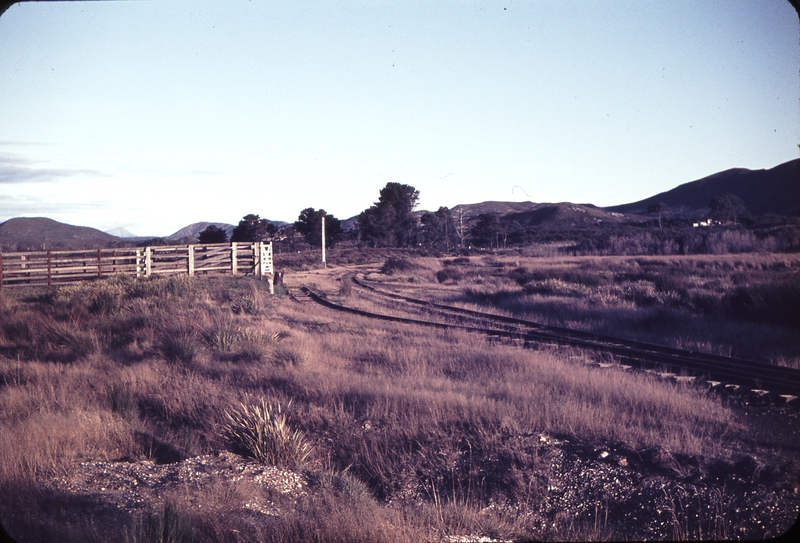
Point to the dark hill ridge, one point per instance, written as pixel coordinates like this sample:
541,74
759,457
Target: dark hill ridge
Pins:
37,233
471,211
776,190
566,214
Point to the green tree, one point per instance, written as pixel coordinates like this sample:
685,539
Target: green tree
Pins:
213,234
389,222
726,207
253,228
309,225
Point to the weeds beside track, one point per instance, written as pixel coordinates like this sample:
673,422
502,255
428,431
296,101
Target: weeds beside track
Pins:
720,371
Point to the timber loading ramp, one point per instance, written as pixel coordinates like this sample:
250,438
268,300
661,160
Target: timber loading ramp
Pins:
773,383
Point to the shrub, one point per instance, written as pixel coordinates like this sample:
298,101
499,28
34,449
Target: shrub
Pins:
105,302
452,275
18,332
65,343
182,346
291,356
394,264
262,432
249,303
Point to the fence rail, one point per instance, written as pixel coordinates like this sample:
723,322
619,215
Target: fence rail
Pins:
62,267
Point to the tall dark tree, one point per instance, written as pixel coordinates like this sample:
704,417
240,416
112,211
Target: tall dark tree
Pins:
726,207
658,208
213,234
375,225
253,228
309,225
511,232
439,229
389,222
487,230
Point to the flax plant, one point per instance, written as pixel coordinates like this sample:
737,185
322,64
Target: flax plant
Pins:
261,431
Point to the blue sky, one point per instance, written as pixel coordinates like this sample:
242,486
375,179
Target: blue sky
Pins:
152,115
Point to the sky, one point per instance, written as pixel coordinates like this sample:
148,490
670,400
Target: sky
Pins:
152,115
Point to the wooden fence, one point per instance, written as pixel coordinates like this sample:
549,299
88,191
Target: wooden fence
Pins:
62,267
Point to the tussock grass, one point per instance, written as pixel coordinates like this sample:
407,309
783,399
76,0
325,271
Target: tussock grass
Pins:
417,434
262,431
394,265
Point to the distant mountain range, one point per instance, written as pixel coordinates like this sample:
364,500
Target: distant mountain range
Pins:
121,233
193,230
776,190
772,191
39,233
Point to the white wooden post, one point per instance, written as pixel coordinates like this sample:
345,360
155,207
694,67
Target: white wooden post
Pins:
138,262
148,261
191,260
324,263
233,258
268,267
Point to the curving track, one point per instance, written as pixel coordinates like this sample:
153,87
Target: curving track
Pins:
734,374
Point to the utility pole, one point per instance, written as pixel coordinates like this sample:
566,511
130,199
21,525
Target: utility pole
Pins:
324,263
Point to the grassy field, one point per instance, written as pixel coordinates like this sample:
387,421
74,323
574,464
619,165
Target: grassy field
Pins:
398,432
746,306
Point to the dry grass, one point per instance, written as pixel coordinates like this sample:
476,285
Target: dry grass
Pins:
738,305
417,433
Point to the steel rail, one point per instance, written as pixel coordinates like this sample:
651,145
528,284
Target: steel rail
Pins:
787,383
764,369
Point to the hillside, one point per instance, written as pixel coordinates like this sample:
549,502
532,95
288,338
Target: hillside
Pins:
471,211
193,230
25,233
121,233
566,214
776,190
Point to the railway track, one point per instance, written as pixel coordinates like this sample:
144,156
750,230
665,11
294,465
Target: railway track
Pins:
776,383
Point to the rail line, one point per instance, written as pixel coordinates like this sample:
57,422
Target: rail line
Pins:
737,375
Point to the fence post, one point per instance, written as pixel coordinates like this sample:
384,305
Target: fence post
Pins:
256,260
265,264
48,269
233,258
148,261
99,266
191,260
138,262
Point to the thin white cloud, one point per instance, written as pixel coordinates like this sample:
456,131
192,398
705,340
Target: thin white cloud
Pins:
19,206
15,169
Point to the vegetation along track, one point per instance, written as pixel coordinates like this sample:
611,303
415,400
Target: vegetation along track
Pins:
738,375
